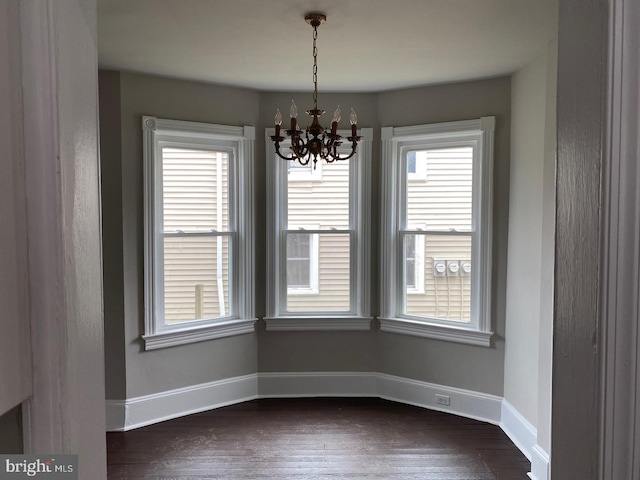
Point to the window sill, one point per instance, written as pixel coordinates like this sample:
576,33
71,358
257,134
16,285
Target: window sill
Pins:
439,332
223,329
303,291
415,291
318,324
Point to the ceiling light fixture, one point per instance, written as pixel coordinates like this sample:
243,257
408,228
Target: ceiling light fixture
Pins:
317,141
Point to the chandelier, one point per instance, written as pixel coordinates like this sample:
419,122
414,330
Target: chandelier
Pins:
315,141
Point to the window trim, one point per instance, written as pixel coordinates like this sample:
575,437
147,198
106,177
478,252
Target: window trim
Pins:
395,140
359,317
240,142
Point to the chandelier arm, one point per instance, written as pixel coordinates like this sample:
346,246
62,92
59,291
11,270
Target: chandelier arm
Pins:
329,144
330,151
354,150
277,146
297,153
299,147
347,157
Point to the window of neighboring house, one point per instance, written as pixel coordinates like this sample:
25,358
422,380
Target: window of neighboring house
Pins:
416,165
302,262
318,224
435,230
198,249
303,173
414,264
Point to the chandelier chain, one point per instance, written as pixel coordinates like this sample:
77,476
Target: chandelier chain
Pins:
315,68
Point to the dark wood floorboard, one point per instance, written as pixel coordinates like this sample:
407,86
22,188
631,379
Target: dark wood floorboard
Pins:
316,439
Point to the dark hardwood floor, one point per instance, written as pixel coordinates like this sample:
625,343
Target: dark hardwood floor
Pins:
316,439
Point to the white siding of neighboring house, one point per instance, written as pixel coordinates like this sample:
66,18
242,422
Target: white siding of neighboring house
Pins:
441,201
445,296
323,203
191,199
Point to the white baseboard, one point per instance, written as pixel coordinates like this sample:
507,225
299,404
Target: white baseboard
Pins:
518,429
123,415
465,403
316,384
116,417
539,464
141,411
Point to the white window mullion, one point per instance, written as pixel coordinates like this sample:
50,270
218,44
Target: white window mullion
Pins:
219,228
389,256
244,251
157,248
282,226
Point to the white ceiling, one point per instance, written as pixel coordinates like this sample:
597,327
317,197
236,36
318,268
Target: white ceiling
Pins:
366,45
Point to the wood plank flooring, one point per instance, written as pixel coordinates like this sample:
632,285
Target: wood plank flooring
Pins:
316,439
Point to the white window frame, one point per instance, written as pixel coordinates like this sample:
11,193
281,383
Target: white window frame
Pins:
396,141
314,247
238,142
358,317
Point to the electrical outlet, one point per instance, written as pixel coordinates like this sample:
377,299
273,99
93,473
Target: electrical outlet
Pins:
443,400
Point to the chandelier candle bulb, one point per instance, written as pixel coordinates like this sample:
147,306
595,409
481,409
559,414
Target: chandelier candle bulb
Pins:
278,121
337,115
293,113
353,119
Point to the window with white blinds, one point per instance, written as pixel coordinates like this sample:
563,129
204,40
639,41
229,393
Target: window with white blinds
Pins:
317,242
436,260
198,266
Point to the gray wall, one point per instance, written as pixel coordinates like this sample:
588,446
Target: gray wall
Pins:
525,227
530,252
462,366
452,364
180,366
545,343
112,269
